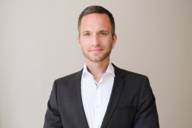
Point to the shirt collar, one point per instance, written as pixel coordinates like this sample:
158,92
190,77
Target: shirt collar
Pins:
109,70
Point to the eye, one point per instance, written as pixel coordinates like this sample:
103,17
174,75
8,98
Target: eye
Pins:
104,33
86,33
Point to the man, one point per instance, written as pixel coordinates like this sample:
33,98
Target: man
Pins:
101,95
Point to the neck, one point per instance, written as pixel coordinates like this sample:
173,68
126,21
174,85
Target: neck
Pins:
97,68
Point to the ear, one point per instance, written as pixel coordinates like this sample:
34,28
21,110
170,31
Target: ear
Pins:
114,40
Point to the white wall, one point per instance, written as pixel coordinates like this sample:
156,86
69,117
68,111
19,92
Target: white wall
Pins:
38,45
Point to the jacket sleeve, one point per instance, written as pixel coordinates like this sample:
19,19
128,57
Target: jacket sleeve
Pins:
52,116
147,116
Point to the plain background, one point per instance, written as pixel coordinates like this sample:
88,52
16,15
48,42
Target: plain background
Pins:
38,43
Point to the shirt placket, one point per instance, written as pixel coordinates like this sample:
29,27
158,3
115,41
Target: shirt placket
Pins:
98,104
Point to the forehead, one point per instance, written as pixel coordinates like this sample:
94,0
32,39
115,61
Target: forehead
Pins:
95,20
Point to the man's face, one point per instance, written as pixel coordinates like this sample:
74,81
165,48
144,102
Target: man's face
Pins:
95,37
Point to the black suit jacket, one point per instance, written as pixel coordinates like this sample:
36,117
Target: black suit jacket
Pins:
132,103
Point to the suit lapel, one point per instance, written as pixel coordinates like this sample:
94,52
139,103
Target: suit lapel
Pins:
117,88
79,106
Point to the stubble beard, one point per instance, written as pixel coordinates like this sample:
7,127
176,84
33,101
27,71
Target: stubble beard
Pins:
95,58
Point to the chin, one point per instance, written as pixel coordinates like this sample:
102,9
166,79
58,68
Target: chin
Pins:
97,59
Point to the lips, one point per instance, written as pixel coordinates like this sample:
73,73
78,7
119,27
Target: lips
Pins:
95,50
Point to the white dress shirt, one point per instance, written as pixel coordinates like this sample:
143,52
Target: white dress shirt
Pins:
96,95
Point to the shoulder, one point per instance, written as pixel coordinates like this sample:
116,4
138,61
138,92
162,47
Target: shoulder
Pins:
135,84
133,81
68,79
126,74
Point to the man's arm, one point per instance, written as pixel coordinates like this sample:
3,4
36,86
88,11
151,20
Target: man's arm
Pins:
52,116
147,116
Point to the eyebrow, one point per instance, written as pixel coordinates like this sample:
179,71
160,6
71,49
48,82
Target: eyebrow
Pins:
104,31
85,31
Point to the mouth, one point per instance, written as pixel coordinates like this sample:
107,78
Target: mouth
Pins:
96,50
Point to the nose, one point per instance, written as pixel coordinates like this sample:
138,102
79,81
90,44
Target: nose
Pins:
95,40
